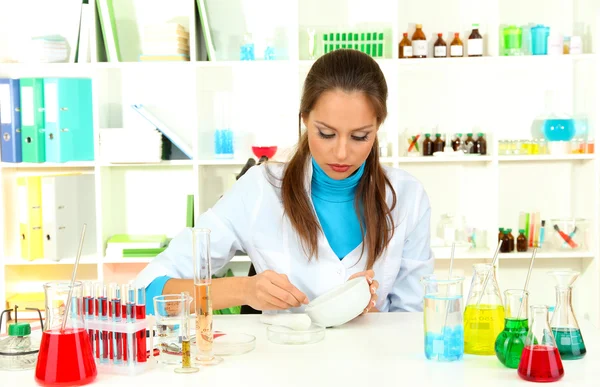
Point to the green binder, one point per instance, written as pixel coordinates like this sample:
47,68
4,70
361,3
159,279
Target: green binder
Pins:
189,216
32,120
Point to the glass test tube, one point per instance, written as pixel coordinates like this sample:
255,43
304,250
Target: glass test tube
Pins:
88,307
202,297
102,313
130,314
140,314
115,314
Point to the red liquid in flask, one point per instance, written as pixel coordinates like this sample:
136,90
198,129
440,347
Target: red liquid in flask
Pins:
541,363
140,314
65,359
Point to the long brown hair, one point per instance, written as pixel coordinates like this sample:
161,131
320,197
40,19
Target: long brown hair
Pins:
349,71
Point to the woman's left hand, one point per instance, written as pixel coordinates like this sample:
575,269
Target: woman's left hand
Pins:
373,284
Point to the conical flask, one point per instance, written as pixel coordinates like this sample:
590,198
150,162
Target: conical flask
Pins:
540,361
511,341
484,314
564,323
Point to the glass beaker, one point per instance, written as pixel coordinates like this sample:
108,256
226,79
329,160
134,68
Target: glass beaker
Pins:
511,341
484,314
65,356
512,40
202,281
443,318
540,361
564,323
170,310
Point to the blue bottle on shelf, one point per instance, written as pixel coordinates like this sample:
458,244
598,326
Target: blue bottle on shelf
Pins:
224,144
247,49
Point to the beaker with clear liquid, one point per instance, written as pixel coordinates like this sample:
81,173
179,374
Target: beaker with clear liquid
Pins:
540,360
484,313
511,341
443,318
564,323
202,281
65,357
170,310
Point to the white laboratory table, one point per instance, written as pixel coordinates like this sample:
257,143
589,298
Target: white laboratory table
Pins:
378,349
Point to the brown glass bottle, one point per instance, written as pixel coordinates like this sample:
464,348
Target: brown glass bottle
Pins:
456,47
457,142
405,47
505,248
427,145
475,43
419,43
440,50
438,144
470,143
500,234
521,242
511,240
481,144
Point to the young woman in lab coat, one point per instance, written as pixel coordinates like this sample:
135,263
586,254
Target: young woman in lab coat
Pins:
331,213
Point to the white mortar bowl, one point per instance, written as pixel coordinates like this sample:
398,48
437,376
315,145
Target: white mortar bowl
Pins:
341,304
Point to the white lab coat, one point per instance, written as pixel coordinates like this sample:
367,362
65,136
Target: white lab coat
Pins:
249,217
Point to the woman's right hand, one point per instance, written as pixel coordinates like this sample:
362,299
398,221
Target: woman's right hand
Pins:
272,291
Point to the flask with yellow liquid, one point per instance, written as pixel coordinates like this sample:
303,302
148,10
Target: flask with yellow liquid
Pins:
484,314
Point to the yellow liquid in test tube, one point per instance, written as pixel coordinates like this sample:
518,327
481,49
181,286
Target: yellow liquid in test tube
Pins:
482,324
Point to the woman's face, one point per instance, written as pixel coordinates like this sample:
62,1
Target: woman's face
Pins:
341,131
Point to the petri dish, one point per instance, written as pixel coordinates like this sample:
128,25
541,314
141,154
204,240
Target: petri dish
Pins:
284,335
230,344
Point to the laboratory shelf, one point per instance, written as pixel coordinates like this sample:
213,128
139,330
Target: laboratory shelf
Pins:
567,157
444,160
70,164
15,261
216,162
163,163
120,260
548,255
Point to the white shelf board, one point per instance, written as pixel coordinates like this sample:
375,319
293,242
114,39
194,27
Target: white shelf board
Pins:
15,261
216,162
548,255
521,60
124,261
69,164
567,157
443,160
163,163
240,258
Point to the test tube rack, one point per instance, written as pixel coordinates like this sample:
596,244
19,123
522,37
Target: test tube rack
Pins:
131,366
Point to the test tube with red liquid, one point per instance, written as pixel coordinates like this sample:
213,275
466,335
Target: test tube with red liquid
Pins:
102,308
124,318
88,307
115,314
140,314
130,314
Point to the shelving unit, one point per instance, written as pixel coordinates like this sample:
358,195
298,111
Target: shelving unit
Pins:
493,94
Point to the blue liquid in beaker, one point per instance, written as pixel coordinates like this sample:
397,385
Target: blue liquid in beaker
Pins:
447,347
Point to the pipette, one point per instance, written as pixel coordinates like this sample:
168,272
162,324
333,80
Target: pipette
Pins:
487,276
186,352
73,276
449,278
527,280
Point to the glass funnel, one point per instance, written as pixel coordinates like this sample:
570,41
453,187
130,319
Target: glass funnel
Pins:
443,318
511,341
540,361
65,356
484,314
564,323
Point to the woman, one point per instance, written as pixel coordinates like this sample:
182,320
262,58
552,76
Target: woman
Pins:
298,221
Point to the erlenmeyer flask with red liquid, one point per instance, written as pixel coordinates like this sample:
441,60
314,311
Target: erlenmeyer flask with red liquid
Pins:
540,360
65,357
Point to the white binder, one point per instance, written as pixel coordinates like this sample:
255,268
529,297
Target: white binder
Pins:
68,202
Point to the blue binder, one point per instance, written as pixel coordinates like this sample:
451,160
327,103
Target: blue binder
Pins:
10,120
69,133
